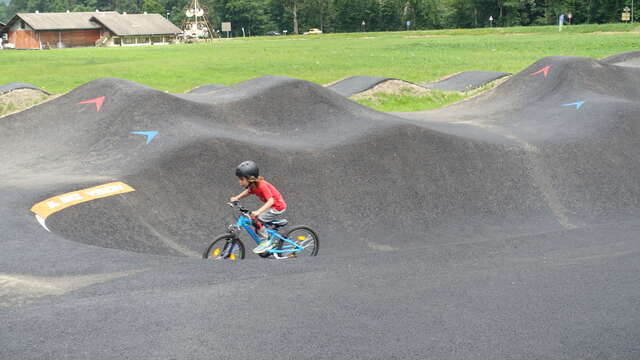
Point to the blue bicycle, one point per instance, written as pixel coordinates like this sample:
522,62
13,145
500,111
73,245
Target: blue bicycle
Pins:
300,240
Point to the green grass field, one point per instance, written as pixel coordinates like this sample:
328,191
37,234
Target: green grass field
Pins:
416,56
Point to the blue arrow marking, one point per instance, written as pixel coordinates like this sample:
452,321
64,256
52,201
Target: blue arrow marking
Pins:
150,135
577,104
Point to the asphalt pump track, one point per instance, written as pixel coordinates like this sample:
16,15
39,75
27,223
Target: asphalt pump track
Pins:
464,81
7,88
504,226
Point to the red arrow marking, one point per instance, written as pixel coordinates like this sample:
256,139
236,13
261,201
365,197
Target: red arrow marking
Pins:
544,70
98,101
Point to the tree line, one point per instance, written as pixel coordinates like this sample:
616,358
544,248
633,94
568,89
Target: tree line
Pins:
296,16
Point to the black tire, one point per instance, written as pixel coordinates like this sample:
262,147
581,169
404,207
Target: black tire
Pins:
313,245
220,247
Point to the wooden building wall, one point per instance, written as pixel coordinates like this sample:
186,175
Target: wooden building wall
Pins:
70,38
24,39
28,39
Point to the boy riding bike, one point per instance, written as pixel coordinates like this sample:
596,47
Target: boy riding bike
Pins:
274,205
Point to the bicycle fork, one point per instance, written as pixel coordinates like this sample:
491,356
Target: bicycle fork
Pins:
227,251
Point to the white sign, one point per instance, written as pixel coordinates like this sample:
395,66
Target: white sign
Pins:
226,26
560,22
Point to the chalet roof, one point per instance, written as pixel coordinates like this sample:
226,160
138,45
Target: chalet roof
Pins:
137,24
62,21
119,24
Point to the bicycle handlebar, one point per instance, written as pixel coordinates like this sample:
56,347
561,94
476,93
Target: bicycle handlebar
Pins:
235,205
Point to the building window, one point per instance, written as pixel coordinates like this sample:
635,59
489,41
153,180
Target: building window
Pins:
128,40
22,25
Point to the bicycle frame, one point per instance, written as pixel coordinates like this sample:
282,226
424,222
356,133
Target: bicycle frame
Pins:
288,246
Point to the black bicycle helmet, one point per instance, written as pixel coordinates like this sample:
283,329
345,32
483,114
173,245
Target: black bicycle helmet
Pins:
247,169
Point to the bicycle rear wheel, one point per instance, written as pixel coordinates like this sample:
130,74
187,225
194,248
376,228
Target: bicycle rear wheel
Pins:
304,237
225,247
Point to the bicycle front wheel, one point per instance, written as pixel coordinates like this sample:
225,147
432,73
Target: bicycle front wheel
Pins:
306,238
225,247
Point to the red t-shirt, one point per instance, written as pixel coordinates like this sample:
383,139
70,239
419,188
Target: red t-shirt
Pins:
265,191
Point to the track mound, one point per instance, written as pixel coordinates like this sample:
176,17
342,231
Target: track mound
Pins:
465,81
207,89
317,147
356,84
559,98
631,58
17,86
574,117
515,161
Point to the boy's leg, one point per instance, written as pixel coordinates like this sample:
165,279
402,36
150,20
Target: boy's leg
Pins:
266,217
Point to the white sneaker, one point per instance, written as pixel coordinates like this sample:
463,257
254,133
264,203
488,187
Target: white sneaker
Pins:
264,246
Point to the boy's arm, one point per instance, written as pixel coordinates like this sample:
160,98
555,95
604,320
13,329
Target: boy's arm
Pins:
264,207
242,195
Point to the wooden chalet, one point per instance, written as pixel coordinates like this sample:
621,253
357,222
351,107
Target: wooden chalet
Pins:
74,29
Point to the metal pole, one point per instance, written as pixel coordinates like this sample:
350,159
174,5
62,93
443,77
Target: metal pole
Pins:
632,11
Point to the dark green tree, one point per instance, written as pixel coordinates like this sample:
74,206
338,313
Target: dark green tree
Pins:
315,14
248,14
16,6
86,5
389,15
430,14
509,13
153,7
60,5
130,6
279,16
3,13
349,15
294,7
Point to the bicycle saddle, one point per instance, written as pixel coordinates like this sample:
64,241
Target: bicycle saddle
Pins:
277,223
